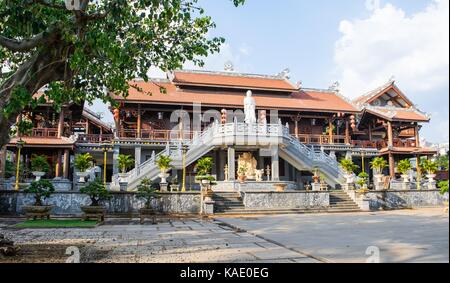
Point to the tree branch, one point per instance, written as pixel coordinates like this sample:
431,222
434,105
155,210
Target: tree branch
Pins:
23,45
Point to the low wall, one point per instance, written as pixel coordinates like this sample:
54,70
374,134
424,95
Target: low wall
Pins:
286,200
401,199
121,203
252,186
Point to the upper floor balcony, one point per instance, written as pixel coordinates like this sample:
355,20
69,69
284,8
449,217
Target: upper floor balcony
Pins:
408,143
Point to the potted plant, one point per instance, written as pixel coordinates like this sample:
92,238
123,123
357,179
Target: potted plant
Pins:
242,171
204,167
147,192
42,190
349,167
404,167
39,166
430,167
378,164
97,193
82,163
126,162
164,164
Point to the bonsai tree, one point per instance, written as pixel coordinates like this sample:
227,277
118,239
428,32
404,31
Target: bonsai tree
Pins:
39,163
41,189
96,192
164,163
348,166
363,179
378,164
125,162
83,162
147,192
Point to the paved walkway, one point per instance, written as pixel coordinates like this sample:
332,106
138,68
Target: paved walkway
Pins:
186,241
398,236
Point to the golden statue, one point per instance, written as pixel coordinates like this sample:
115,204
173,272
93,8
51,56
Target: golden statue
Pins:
247,161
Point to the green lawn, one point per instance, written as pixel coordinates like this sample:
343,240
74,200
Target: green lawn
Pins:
55,223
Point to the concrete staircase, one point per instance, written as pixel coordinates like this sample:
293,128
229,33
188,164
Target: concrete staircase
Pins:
228,202
340,201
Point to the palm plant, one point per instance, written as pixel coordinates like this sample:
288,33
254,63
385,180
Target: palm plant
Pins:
378,164
83,162
125,162
164,163
348,166
404,166
429,166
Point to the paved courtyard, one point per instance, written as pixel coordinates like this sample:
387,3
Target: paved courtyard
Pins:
400,236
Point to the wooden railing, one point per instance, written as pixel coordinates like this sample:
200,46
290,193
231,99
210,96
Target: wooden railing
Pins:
44,133
384,144
95,139
157,135
322,139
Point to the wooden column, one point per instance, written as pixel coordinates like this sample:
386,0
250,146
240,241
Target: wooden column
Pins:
139,121
347,131
61,123
296,128
330,131
417,136
58,164
66,164
391,165
87,127
370,132
390,135
2,162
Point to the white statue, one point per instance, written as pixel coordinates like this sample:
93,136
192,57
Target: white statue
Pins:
250,108
259,175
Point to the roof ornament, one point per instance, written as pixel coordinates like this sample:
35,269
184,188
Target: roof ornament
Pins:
392,79
285,74
335,86
299,84
229,66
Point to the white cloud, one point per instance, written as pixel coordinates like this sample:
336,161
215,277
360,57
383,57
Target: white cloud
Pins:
414,49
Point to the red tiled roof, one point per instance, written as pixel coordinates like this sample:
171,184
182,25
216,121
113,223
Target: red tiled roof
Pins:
232,81
44,142
312,100
399,114
408,150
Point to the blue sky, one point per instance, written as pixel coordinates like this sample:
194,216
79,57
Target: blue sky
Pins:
360,43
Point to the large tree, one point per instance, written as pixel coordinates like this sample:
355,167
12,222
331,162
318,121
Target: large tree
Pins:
80,48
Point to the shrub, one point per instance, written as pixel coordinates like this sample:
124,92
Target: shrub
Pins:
164,163
41,189
10,169
404,166
39,163
96,192
348,166
146,191
125,162
379,163
363,179
83,162
443,185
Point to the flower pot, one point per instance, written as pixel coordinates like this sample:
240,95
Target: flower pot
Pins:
38,175
431,178
163,177
280,187
350,178
242,179
316,179
82,176
405,178
123,177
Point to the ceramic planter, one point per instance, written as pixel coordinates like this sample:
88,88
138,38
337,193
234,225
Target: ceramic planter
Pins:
38,175
82,176
163,176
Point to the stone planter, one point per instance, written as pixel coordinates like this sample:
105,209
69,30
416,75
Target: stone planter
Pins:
163,176
82,176
147,213
431,181
405,178
174,188
38,175
378,178
123,177
38,211
97,212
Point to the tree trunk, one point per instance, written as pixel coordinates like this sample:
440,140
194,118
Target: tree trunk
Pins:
43,67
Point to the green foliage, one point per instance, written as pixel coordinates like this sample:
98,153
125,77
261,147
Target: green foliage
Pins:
164,163
125,162
39,163
348,166
242,170
41,189
443,185
379,163
10,169
429,166
96,192
104,46
146,191
404,166
204,166
363,179
443,162
83,162
22,128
